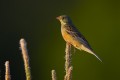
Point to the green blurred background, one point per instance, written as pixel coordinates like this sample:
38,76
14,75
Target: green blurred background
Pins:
35,20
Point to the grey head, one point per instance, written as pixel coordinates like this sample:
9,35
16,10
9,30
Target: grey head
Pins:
64,19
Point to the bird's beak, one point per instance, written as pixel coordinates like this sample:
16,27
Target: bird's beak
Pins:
58,17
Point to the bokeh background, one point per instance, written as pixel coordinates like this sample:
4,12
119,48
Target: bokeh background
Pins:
35,20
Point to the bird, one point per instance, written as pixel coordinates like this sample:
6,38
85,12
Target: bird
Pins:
73,36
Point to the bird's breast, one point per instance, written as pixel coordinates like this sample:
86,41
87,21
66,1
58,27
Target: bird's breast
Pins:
66,36
69,38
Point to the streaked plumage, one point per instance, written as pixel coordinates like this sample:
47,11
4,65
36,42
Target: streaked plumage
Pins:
73,36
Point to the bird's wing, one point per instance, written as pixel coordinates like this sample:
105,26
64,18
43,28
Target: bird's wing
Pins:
76,34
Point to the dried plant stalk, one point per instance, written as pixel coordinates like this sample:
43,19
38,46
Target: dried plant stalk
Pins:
67,56
69,74
7,73
54,75
23,46
68,67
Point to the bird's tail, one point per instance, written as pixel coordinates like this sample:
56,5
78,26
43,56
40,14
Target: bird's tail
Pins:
96,56
90,51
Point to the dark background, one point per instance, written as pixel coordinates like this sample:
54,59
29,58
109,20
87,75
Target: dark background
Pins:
35,20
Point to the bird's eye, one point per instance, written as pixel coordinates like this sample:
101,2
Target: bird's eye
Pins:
63,18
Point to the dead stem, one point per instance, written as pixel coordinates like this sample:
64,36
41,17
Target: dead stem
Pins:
54,75
7,73
23,46
68,67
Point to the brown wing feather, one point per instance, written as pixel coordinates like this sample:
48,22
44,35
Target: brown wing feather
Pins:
75,33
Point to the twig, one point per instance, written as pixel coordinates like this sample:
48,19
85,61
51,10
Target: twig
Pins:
23,46
7,73
68,67
54,75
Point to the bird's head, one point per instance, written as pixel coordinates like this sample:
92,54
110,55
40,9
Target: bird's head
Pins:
64,19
